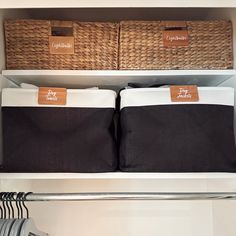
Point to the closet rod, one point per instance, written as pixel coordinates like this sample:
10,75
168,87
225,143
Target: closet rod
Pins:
97,196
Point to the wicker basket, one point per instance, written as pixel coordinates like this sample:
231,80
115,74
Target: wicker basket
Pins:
175,45
87,46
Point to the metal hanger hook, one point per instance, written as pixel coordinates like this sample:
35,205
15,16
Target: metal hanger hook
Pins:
20,195
23,202
7,207
1,209
12,194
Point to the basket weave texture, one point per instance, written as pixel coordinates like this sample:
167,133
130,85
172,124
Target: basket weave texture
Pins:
27,46
141,46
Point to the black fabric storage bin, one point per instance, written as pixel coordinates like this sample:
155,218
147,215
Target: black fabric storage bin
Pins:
158,135
77,137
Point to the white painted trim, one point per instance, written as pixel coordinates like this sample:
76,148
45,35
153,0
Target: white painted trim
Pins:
118,175
161,96
121,3
19,97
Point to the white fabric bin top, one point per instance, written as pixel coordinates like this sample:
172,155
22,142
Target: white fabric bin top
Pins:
84,98
161,96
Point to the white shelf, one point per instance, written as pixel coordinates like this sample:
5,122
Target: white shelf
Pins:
83,78
117,176
121,3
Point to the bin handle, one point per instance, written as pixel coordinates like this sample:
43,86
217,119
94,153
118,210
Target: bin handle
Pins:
174,25
61,28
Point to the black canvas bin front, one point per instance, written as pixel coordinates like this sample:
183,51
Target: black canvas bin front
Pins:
158,135
77,137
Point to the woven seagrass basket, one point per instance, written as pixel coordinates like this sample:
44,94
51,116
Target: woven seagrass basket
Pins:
175,45
43,44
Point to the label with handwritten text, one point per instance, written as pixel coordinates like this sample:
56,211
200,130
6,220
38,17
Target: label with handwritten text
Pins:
175,38
185,93
61,45
52,96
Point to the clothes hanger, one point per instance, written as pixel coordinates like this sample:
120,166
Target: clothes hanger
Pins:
11,219
16,227
22,220
19,226
11,198
29,228
7,209
2,213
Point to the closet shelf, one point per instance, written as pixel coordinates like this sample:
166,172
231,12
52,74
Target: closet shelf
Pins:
106,3
109,78
118,175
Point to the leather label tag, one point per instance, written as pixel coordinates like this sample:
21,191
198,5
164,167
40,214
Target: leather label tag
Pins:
175,38
61,45
52,96
185,93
